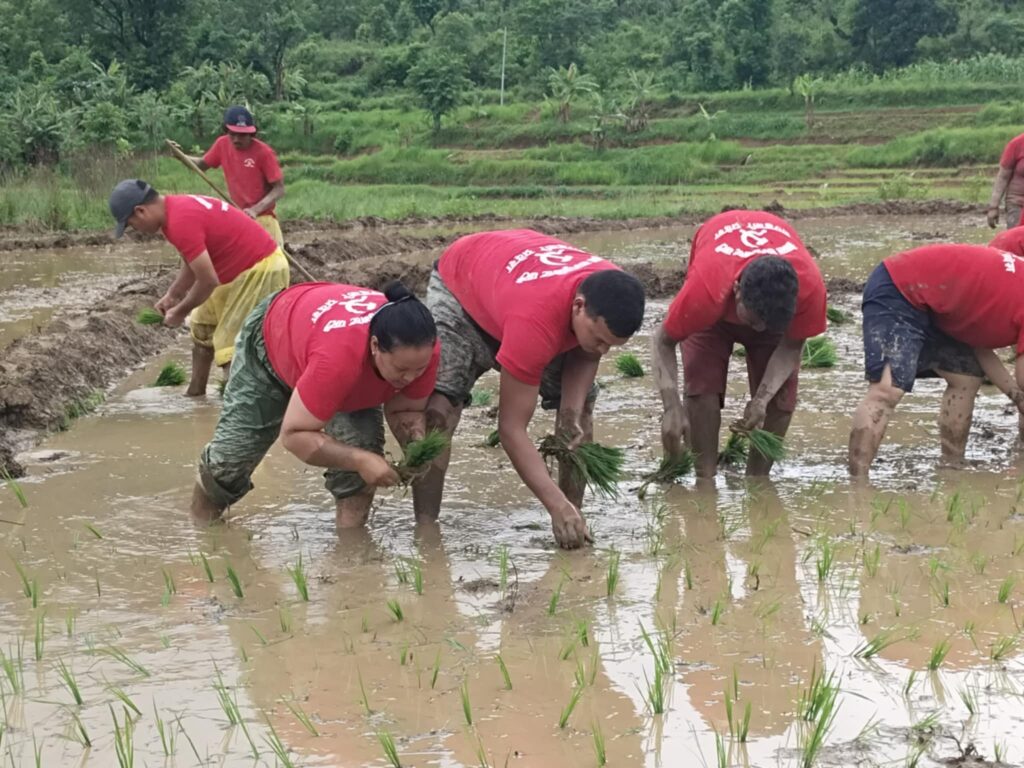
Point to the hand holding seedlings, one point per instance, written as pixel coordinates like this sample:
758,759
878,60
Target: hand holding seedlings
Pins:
753,417
419,454
569,527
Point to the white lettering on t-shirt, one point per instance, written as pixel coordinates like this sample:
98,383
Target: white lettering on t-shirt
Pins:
361,304
1009,262
754,242
558,255
528,277
209,202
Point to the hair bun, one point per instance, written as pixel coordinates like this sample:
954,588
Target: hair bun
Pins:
396,291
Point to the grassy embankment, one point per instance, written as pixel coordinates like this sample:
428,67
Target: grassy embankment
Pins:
751,147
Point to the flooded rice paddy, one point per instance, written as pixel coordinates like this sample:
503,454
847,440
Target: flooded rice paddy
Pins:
477,642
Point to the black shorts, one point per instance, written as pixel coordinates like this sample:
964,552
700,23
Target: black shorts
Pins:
898,334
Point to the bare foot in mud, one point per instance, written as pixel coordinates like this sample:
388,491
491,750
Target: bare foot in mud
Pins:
204,510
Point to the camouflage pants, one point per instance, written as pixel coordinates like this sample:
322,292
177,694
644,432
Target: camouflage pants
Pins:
255,401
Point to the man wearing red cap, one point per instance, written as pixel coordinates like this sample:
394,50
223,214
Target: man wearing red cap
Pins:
251,170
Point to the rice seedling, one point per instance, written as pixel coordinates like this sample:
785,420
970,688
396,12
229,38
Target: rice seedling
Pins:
436,670
716,613
302,717
669,470
574,699
67,676
387,743
819,352
979,562
13,668
298,574
599,751
167,736
735,450
1002,647
396,609
417,577
149,316
813,737
871,648
826,558
1005,589
83,735
768,444
656,690
419,453
124,740
999,750
192,744
481,397
555,597
970,700
938,655
721,757
836,316
14,486
171,375
363,698
872,560
467,708
612,577
276,745
629,365
284,618
504,672
39,640
206,567
493,439
259,635
116,653
596,466
909,685
227,704
236,584
819,695
739,728
26,583
503,561
93,530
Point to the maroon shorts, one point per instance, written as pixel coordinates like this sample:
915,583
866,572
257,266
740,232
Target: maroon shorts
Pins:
706,357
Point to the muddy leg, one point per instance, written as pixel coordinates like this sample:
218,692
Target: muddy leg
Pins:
775,421
705,412
955,416
204,510
869,423
352,511
202,361
567,481
429,489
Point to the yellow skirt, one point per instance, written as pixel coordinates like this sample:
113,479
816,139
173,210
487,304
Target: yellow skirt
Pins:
273,226
216,322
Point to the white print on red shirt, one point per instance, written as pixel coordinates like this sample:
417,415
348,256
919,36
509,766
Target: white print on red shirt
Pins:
356,303
1010,262
558,255
208,202
249,162
754,241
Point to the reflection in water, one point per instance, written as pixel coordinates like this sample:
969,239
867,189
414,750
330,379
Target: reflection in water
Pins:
751,587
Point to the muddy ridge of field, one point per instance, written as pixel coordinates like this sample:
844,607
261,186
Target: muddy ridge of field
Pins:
44,375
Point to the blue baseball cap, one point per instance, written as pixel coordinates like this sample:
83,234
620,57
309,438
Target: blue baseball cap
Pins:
239,120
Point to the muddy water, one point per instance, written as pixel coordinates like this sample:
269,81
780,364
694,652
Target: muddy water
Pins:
37,285
729,577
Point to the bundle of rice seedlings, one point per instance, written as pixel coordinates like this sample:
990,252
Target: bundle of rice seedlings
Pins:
670,470
171,375
149,316
419,453
493,440
768,444
819,352
735,451
597,466
836,316
739,351
629,365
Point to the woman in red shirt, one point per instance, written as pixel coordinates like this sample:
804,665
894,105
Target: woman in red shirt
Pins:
322,365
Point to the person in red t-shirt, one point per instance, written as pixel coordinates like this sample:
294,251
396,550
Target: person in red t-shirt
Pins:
1011,240
230,264
1009,181
543,312
251,170
938,309
750,281
315,365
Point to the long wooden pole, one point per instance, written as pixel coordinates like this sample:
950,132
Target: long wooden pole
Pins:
190,164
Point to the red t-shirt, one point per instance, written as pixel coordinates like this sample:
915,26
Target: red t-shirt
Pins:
1011,240
722,248
234,241
973,293
318,341
249,173
1013,159
519,285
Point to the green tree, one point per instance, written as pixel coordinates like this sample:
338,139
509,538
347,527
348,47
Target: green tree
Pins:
439,81
746,25
885,33
274,29
566,85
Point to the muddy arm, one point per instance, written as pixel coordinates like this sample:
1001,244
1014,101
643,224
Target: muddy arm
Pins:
302,435
675,426
999,186
203,284
276,193
998,375
783,363
577,378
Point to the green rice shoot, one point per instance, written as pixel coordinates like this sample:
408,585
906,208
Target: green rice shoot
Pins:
819,352
670,470
15,487
419,454
171,375
493,440
836,316
735,450
149,316
629,365
599,467
768,444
